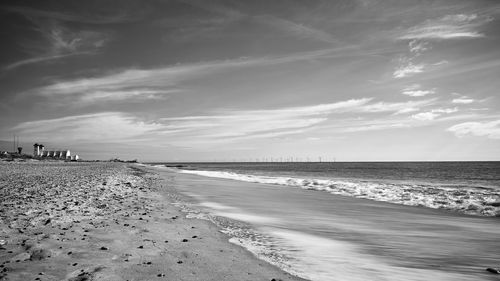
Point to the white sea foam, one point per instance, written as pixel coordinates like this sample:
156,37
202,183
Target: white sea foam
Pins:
236,214
469,200
246,217
215,206
318,258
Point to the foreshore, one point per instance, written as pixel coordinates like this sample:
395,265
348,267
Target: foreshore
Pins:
109,221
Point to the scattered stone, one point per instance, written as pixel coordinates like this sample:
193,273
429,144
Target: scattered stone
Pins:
493,270
185,240
141,247
104,248
194,236
179,262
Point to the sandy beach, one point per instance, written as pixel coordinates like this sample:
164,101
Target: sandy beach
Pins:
109,221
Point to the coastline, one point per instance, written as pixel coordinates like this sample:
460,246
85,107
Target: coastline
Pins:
110,221
322,236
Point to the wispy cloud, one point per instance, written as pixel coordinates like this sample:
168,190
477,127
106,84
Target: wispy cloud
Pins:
425,116
408,69
416,91
448,27
433,114
93,128
458,26
395,107
418,47
114,15
463,100
118,95
298,30
60,42
226,125
225,16
155,83
490,129
376,126
40,59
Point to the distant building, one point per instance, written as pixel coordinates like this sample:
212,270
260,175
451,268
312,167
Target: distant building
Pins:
39,151
36,150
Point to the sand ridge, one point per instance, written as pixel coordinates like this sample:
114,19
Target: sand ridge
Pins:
109,221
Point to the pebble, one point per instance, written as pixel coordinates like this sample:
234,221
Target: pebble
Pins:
493,270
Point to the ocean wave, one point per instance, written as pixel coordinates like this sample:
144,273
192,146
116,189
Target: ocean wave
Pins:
469,200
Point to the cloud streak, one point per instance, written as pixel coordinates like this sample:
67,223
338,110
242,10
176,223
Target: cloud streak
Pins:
224,126
157,82
90,128
458,26
463,100
232,125
415,91
229,126
489,129
433,114
60,42
298,30
110,17
408,70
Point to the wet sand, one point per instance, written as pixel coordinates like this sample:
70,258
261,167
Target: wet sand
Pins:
109,221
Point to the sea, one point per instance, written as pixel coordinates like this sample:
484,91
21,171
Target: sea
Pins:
353,220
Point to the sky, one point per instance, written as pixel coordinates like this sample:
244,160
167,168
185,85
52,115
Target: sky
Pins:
160,80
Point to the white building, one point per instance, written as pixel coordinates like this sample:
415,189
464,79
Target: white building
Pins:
39,151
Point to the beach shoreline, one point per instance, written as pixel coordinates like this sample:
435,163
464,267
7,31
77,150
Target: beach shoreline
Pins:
109,221
323,236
